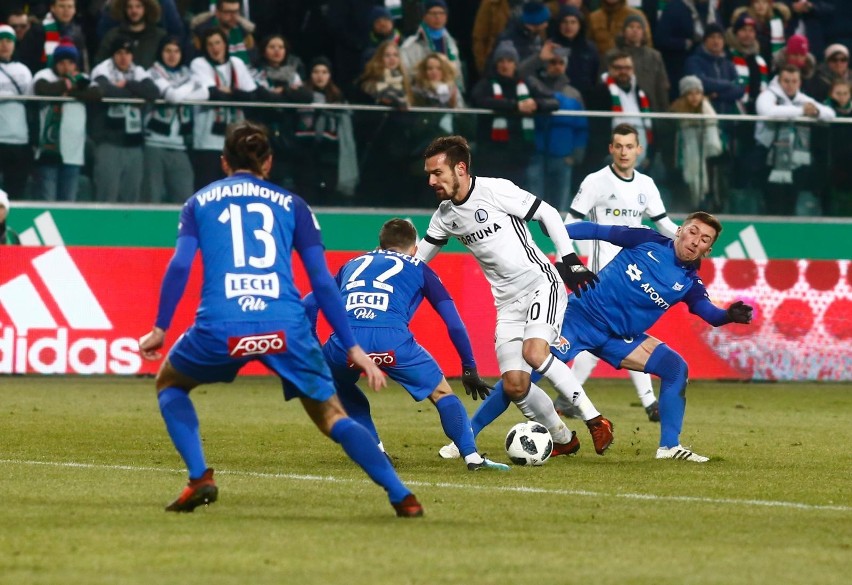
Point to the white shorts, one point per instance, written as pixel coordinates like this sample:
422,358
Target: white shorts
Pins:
536,315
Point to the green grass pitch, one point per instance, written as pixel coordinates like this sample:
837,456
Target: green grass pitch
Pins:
86,467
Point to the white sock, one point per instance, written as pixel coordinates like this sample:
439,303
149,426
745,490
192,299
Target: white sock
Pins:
473,458
538,406
644,387
584,364
381,447
563,379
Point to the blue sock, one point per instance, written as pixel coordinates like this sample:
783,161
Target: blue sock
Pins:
182,425
357,406
673,372
359,445
492,407
456,424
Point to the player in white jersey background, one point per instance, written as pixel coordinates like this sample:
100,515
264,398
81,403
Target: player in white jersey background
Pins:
489,216
617,194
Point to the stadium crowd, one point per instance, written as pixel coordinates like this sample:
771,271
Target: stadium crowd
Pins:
523,59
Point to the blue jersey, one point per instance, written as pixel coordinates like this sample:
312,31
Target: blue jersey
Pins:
643,281
247,229
383,288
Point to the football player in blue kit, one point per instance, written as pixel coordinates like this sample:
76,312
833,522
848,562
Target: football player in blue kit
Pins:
383,289
644,280
246,229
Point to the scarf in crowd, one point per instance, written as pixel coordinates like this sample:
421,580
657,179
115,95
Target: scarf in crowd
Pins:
163,115
438,43
225,115
51,39
395,8
791,145
236,42
644,105
744,73
318,124
696,141
500,125
776,33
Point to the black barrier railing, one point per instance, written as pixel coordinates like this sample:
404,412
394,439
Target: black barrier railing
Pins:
371,156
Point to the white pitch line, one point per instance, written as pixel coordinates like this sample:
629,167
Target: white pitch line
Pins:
504,489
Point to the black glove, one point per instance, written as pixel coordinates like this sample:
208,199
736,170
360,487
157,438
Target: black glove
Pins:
739,312
474,385
575,274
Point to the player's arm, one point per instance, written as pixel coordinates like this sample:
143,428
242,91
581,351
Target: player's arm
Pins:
309,302
626,237
699,304
171,291
435,239
665,225
438,296
656,212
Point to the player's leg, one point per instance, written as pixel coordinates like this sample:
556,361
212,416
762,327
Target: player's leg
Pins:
456,425
645,392
354,401
654,357
584,363
358,444
544,324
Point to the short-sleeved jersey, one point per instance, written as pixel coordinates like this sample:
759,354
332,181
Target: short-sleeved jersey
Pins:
643,281
491,223
247,230
608,199
383,288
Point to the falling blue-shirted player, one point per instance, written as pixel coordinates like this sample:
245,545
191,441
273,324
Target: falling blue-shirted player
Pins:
382,290
250,309
648,276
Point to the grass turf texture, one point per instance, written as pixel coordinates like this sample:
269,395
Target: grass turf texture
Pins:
86,468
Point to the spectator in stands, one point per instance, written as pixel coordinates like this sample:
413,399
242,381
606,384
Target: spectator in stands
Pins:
835,67
680,30
349,23
170,19
809,17
60,153
528,32
507,138
772,21
385,80
279,77
327,160
717,73
168,128
59,24
618,91
492,17
583,61
787,144
648,63
744,51
138,22
7,235
227,78
28,45
434,84
796,52
833,149
117,128
238,29
607,22
432,37
381,29
697,141
560,141
16,155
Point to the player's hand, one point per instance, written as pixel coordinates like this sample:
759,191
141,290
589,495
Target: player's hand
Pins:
739,312
375,377
150,343
575,274
474,385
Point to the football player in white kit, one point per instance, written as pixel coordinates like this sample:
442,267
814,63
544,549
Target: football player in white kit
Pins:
618,194
489,216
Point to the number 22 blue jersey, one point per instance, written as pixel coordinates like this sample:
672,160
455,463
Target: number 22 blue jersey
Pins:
247,229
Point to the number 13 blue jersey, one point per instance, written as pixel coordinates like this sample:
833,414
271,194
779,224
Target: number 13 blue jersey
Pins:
247,229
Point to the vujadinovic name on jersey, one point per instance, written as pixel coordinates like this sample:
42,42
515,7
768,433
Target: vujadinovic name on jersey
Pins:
245,189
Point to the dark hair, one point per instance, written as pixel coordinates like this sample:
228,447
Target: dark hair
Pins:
789,68
455,147
169,40
617,56
205,36
118,11
220,2
705,218
397,234
247,146
333,94
624,130
261,48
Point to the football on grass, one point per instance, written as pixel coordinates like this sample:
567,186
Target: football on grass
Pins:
529,443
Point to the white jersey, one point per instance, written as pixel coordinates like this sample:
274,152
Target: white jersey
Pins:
607,199
491,223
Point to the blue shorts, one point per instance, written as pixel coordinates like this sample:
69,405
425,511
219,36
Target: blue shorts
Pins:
216,352
396,352
579,335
